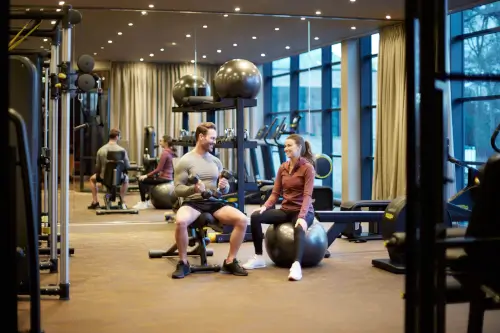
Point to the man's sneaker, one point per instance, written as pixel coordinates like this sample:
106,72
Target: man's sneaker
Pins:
295,272
181,270
94,205
257,261
234,268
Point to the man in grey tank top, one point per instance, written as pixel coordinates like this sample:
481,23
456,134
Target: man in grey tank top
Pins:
101,159
201,162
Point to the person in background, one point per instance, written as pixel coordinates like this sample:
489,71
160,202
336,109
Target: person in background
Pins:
164,172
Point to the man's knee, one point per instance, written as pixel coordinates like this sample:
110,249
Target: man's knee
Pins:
182,223
93,178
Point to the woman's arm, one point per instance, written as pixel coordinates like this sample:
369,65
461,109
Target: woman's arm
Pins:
161,163
308,190
271,201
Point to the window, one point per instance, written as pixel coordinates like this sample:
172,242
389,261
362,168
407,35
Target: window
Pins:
374,80
481,18
310,59
281,93
336,153
336,84
310,90
281,66
481,119
311,129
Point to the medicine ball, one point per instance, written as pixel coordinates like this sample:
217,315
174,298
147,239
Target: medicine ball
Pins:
279,242
324,166
188,86
163,196
238,78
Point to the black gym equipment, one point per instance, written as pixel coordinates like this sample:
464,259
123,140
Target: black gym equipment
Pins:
238,78
494,139
266,151
279,242
198,241
163,196
149,157
190,86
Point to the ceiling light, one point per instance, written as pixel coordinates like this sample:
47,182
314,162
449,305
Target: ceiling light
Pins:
192,61
287,47
110,41
254,37
151,54
120,33
58,9
45,39
174,43
262,54
352,0
61,3
276,29
318,12
95,53
41,9
388,17
353,28
237,9
151,6
144,12
52,22
102,47
219,51
204,27
142,59
225,15
130,24
162,49
41,47
235,44
188,35
204,56
303,18
316,38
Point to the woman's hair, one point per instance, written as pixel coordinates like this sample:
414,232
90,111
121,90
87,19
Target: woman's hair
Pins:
305,151
169,141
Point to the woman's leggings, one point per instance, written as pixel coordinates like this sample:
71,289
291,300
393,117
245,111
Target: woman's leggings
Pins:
149,181
279,216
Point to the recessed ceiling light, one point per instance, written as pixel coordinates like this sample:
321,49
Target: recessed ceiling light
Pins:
316,38
144,12
303,18
287,47
225,15
45,39
151,54
162,49
262,54
205,26
235,44
318,12
204,56
142,59
95,53
237,9
41,9
57,10
151,6
120,33
254,37
388,17
61,3
110,41
219,51
276,29
52,22
188,35
352,0
102,47
41,47
174,43
130,24
192,61
353,28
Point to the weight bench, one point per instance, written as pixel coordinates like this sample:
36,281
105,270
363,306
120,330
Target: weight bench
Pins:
198,241
114,174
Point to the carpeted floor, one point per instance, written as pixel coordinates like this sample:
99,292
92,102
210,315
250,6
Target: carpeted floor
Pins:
115,287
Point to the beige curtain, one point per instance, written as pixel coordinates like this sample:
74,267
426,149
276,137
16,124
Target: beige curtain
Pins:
389,179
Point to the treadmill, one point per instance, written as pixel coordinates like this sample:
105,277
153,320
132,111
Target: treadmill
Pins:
275,137
266,151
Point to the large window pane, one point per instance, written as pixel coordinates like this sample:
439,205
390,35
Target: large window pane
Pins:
374,130
337,178
281,66
375,43
336,85
281,93
482,56
310,90
310,129
374,80
310,59
480,120
336,52
336,143
481,17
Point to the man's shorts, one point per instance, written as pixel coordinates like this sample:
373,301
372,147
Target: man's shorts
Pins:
205,206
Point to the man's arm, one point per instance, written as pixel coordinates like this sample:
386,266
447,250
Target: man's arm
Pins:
98,165
163,159
126,161
180,180
220,168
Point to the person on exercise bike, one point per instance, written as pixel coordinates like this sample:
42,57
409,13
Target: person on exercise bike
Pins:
201,163
295,181
101,160
163,173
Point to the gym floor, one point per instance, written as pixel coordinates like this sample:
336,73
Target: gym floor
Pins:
115,287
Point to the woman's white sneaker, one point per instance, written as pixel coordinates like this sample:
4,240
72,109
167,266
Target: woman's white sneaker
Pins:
255,262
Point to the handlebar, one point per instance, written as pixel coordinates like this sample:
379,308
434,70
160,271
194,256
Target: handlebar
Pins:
494,138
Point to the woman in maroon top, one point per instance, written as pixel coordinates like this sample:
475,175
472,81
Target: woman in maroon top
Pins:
295,182
164,172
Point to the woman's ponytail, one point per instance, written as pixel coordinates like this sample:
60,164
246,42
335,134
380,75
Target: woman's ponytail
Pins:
308,154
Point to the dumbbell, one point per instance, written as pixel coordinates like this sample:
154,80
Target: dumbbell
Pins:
195,179
224,174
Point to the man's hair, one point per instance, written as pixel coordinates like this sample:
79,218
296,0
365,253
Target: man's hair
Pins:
203,129
114,133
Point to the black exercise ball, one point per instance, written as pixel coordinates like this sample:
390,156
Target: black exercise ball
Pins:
238,78
163,196
189,85
279,241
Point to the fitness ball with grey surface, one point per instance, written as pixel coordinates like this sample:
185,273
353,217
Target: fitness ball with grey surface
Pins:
188,86
238,78
279,241
163,196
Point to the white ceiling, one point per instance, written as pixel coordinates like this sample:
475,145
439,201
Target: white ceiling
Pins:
164,25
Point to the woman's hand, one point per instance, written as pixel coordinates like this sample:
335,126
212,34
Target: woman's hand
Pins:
260,210
302,223
141,178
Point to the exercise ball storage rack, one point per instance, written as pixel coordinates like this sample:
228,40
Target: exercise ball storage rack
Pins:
226,104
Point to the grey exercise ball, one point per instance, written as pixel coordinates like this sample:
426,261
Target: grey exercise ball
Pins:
238,78
163,196
279,241
190,85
